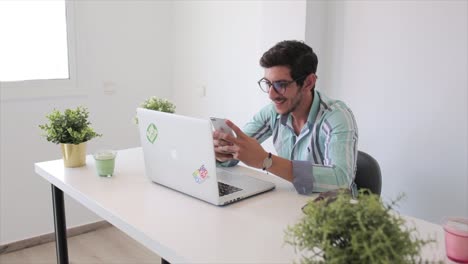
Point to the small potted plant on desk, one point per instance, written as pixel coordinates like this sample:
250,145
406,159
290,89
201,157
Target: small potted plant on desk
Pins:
158,104
339,229
71,129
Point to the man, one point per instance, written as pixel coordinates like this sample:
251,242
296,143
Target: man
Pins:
315,137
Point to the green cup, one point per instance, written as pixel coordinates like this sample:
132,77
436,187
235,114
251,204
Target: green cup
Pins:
105,162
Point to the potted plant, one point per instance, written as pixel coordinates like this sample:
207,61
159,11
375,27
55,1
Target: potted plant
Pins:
339,229
158,104
71,129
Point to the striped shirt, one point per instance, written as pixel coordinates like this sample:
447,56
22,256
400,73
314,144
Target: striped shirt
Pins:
323,155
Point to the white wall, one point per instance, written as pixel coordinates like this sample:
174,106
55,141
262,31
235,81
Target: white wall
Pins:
121,46
215,57
318,36
402,67
218,45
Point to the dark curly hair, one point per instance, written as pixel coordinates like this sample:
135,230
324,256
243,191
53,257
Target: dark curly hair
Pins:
295,55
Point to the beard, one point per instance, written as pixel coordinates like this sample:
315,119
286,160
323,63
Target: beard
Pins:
295,102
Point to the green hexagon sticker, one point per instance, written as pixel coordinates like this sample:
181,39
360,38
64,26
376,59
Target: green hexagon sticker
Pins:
151,133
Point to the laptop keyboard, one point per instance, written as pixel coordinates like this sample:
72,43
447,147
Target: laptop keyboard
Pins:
225,189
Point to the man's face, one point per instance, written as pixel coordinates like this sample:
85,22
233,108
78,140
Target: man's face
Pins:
288,101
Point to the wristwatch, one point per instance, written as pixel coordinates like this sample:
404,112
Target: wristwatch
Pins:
267,162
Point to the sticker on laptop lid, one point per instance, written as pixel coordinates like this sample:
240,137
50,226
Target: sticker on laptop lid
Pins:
201,174
151,133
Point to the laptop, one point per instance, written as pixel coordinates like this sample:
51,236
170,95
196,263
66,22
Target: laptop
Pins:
178,153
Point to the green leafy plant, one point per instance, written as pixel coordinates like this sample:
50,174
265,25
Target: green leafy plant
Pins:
158,104
345,230
70,127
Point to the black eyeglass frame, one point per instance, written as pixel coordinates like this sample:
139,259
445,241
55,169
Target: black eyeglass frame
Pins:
277,84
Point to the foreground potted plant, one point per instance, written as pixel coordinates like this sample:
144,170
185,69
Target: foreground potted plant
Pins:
71,129
339,229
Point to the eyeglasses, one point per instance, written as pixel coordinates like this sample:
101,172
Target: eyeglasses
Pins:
279,86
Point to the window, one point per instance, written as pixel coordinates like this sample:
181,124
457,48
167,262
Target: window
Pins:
36,48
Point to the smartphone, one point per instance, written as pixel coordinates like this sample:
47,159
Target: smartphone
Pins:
219,124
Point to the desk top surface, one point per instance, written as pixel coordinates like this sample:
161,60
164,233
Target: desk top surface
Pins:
183,229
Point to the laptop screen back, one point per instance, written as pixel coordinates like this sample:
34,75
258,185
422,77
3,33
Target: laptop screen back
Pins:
178,153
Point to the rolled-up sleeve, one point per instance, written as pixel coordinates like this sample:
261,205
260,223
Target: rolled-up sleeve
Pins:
310,178
303,182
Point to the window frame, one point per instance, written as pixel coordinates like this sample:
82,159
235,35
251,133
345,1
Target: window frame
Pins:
29,89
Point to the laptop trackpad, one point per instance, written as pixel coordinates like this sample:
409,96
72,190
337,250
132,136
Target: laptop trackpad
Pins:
240,180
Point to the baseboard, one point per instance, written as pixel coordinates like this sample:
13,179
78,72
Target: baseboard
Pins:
46,238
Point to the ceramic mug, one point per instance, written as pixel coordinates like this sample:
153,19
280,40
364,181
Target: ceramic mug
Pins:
456,239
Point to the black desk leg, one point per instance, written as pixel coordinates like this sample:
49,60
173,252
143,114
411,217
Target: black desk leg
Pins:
60,226
163,261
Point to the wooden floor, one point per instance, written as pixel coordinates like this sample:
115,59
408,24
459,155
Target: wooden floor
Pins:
106,245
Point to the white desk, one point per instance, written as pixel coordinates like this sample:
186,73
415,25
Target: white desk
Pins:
180,228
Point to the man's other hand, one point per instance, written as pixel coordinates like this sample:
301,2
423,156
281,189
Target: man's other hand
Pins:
219,143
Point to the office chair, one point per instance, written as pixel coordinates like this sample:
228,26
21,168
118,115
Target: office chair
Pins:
368,173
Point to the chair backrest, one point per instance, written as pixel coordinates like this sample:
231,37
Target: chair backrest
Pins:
368,173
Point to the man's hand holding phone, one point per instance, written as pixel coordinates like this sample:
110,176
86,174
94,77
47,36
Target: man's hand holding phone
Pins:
219,124
221,137
237,145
